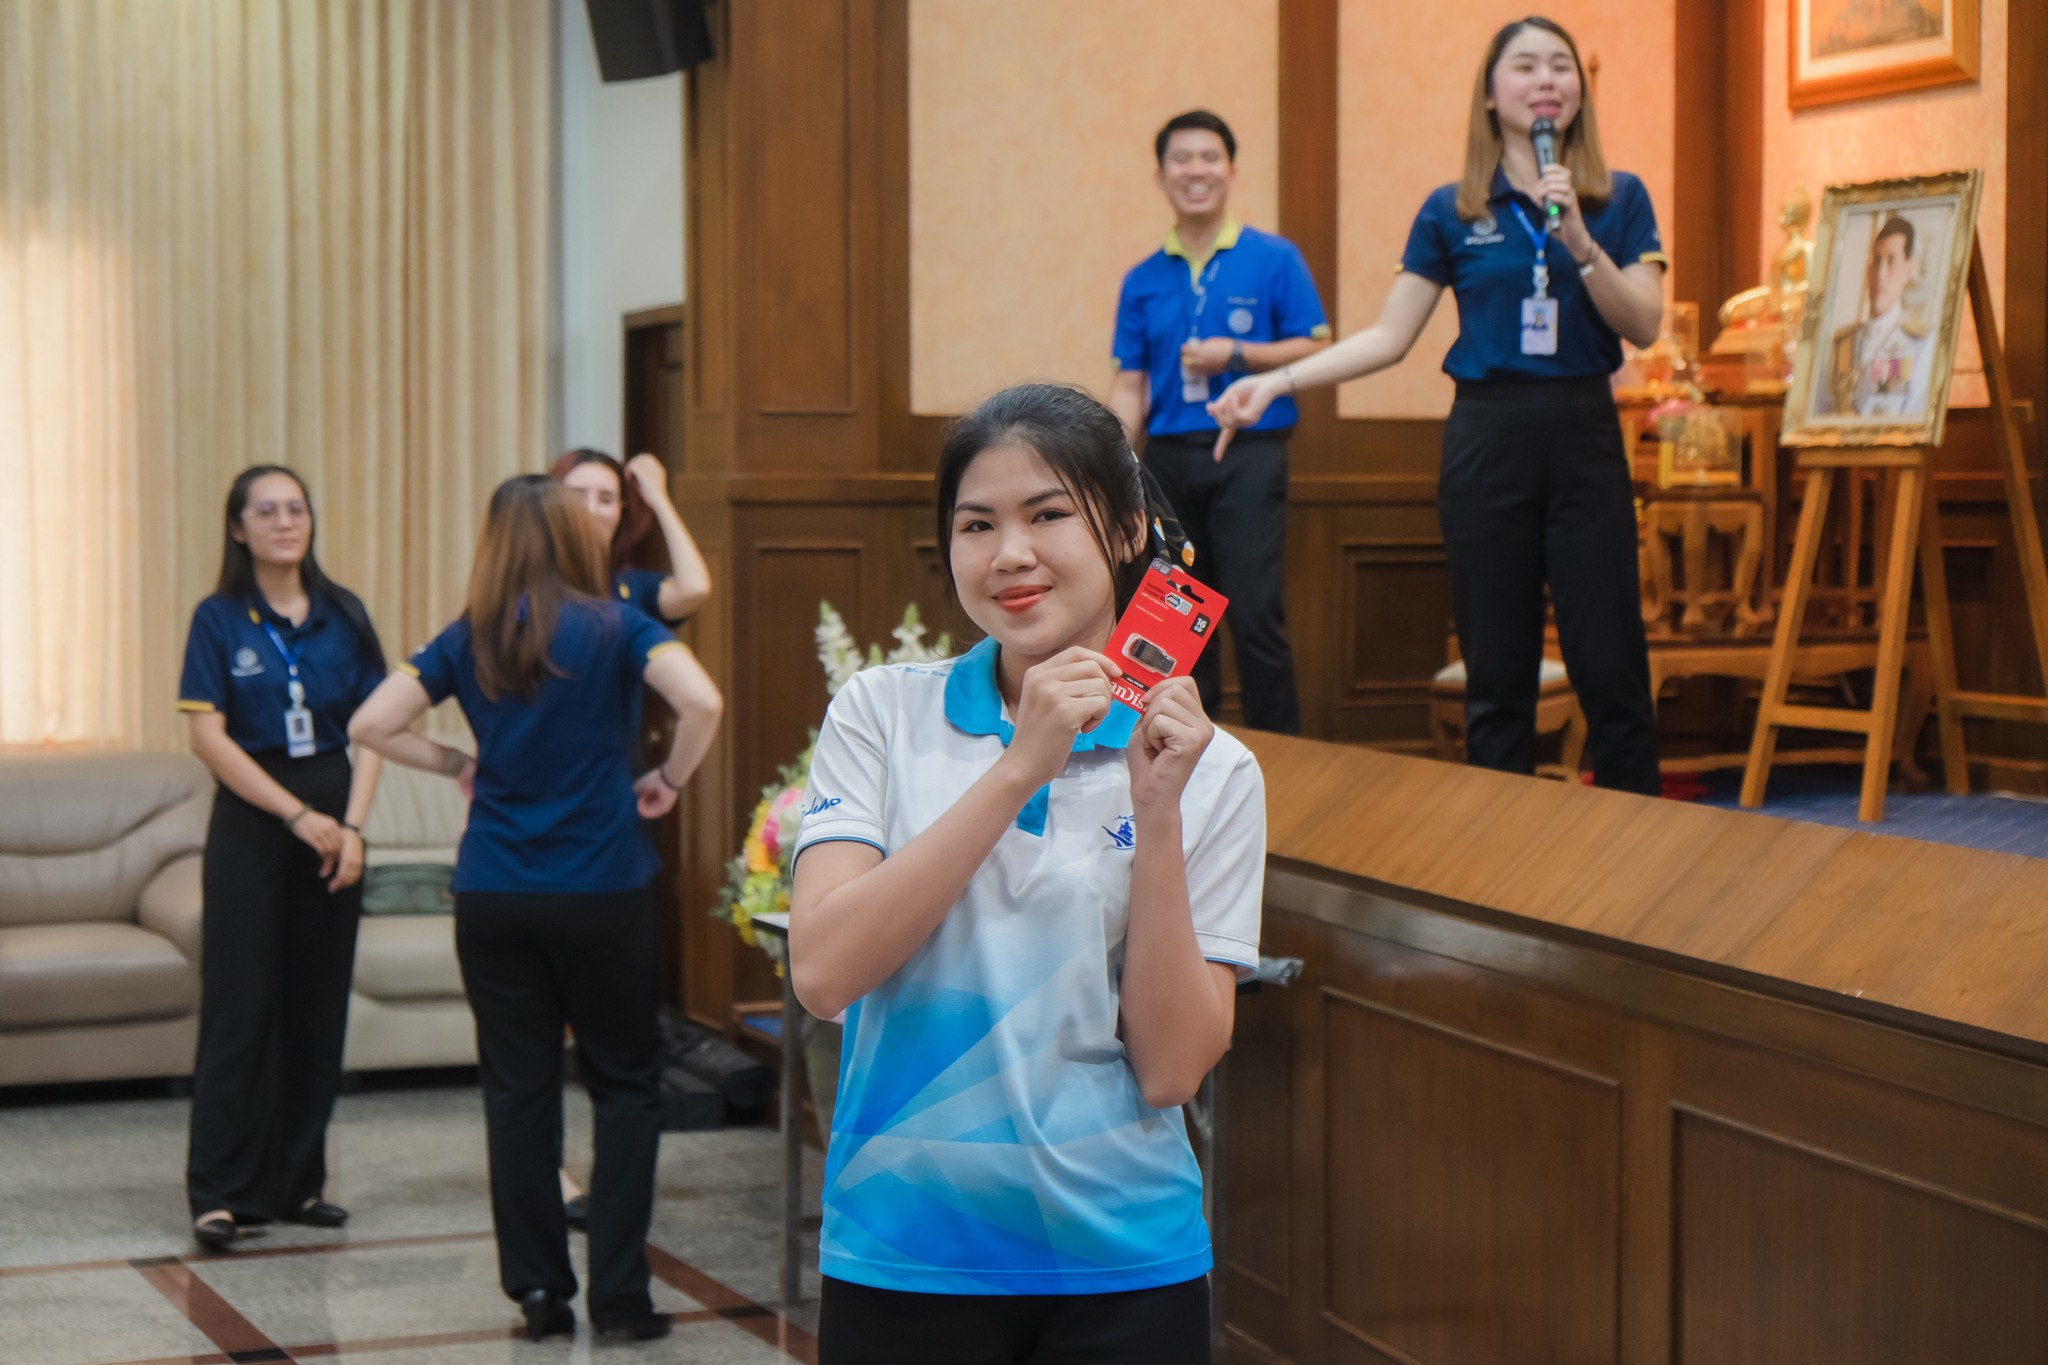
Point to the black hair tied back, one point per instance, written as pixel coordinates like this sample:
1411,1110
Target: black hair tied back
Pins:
1083,443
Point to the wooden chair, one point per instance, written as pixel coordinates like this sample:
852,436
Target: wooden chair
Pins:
1557,712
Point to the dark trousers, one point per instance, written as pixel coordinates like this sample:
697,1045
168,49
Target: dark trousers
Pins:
277,953
531,964
1235,512
1536,489
858,1325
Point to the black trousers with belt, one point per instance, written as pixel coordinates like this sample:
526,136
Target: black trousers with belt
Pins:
1536,489
278,951
531,964
1235,512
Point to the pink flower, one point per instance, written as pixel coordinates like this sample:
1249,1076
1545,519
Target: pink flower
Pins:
780,813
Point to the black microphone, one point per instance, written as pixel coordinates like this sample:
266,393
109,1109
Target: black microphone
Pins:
1543,140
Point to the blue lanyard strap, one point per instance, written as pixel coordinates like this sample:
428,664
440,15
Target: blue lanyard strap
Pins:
1541,241
291,658
1199,285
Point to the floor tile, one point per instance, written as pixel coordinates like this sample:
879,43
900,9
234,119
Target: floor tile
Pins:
381,1292
82,1319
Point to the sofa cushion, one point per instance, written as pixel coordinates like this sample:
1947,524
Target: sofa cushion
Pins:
408,957
418,818
54,974
81,833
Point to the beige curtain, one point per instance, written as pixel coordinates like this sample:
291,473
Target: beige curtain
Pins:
310,232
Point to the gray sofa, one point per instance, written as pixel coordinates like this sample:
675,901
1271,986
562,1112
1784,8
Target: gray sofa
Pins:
100,913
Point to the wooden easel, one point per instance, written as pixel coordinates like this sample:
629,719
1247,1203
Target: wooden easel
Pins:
1915,515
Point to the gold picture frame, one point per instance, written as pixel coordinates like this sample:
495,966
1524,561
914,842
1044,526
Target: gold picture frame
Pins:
1857,49
1877,343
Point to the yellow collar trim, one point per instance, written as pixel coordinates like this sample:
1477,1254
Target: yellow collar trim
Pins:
1226,238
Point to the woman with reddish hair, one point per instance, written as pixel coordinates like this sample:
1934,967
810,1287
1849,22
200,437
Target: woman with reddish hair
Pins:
628,501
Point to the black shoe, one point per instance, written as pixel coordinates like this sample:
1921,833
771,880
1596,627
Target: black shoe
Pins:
577,1211
252,1220
547,1314
639,1326
319,1214
216,1233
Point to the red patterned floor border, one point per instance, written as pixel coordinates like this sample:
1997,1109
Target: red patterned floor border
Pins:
242,1343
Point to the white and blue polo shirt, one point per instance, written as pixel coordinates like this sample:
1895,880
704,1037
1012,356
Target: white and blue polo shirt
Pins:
990,1136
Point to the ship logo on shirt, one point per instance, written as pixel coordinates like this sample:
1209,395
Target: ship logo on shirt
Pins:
246,665
1121,835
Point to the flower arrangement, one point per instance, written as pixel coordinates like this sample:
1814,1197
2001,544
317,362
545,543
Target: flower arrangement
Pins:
758,880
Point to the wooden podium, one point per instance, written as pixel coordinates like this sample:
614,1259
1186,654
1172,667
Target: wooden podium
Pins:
1914,520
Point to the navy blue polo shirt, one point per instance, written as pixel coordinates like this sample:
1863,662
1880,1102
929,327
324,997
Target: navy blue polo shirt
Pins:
641,590
1252,287
233,666
553,810
1489,267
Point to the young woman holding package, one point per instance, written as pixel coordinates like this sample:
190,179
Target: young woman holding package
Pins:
1034,908
627,502
277,661
1551,267
555,921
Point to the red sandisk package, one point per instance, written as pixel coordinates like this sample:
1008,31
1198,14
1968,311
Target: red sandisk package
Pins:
1162,632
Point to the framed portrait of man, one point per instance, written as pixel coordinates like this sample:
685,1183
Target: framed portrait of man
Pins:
1859,49
1877,344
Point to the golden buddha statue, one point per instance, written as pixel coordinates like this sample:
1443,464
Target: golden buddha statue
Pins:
1764,321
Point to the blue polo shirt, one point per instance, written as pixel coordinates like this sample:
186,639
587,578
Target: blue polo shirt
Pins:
1489,267
1252,287
233,666
553,811
641,590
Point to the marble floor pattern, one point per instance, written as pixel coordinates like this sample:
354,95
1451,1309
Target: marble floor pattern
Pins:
97,1266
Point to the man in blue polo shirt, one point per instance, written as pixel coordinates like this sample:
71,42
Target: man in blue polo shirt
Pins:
1217,301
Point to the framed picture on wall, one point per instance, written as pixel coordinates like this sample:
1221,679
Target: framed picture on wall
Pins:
1878,340
1854,49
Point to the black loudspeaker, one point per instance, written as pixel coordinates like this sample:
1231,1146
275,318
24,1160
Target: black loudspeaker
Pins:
636,39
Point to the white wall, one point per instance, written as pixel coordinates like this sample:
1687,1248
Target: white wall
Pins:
622,224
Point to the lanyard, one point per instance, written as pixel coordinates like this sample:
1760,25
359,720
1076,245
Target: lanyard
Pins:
291,663
1541,241
1200,283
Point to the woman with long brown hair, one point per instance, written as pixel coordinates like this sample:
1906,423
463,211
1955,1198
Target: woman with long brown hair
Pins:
555,920
278,658
1552,265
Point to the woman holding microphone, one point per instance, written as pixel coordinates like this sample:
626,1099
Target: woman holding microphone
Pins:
277,661
555,922
1552,266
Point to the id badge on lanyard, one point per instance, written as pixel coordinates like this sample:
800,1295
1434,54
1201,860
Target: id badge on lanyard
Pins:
1194,388
1539,310
298,721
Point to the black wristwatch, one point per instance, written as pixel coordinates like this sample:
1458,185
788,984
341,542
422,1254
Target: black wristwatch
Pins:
1237,355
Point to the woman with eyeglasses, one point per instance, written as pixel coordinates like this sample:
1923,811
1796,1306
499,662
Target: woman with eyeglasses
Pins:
278,660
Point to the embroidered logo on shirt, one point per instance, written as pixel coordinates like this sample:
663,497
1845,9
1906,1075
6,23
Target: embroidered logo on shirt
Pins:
823,803
1240,320
247,664
1121,836
1485,232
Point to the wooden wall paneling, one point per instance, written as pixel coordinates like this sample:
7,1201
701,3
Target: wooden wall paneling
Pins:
1787,1255
1259,1256
708,820
1308,75
1395,610
1718,147
708,256
1473,1186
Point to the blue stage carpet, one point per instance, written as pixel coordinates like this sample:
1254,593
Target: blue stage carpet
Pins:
1827,796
